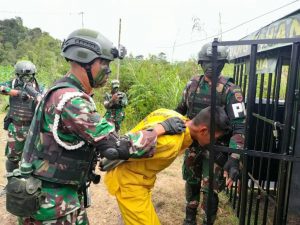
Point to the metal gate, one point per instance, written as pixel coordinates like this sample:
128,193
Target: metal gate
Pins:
268,191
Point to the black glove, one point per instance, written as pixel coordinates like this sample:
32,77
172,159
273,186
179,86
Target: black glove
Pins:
123,148
113,148
173,125
23,95
232,167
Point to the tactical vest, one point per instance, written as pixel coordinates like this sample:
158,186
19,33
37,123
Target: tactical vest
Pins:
197,100
23,110
50,161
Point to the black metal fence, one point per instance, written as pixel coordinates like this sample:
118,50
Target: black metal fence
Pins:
269,189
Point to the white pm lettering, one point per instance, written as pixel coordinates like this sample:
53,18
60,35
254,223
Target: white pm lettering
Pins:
238,108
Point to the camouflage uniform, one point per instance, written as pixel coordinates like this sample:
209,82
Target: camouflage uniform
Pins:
196,96
115,110
63,172
17,121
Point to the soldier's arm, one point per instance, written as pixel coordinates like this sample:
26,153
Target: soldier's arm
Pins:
80,117
6,89
235,108
124,100
182,105
108,101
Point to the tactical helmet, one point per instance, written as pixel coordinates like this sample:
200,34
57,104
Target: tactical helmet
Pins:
205,53
85,45
115,84
25,68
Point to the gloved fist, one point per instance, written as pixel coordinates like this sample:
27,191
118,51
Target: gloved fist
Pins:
23,95
113,148
231,170
173,125
123,148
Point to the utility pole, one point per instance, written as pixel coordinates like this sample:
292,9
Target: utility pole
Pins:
220,27
119,39
81,13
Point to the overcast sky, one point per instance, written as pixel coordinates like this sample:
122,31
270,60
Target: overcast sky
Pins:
150,26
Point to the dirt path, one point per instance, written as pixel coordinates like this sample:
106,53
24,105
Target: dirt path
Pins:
168,197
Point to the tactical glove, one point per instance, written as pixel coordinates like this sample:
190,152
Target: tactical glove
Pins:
173,125
113,148
232,167
123,148
23,95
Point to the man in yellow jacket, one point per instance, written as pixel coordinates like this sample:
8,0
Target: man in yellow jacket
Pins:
131,182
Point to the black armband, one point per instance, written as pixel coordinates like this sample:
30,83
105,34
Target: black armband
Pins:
238,128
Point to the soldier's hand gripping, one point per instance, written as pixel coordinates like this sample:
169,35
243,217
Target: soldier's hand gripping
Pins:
231,171
23,95
113,148
173,125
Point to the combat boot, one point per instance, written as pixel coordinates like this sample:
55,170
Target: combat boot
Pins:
190,216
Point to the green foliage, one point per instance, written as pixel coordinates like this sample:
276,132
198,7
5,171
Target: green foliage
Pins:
20,43
150,83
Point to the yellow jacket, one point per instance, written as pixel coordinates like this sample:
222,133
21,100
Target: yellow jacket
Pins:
138,175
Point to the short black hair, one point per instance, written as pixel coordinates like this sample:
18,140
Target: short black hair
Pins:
222,122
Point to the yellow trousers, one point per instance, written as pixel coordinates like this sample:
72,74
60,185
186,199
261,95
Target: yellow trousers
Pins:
137,209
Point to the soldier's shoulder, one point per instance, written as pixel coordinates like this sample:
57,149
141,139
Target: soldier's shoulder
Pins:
229,84
196,78
226,80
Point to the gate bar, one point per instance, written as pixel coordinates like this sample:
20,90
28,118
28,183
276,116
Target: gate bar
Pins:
272,122
289,104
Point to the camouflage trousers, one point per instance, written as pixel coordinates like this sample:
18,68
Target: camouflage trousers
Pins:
77,217
196,174
115,116
15,142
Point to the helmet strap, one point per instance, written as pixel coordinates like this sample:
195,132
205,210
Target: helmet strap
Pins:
87,68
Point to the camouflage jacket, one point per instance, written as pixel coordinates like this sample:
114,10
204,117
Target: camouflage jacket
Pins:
79,122
196,96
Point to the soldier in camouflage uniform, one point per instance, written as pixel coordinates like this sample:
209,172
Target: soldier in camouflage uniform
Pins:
22,105
115,102
196,96
67,135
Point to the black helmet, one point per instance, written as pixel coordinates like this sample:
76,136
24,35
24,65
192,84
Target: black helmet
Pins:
85,45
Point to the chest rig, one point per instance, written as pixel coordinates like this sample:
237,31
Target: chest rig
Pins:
50,160
200,95
20,110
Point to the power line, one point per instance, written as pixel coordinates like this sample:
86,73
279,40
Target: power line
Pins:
233,28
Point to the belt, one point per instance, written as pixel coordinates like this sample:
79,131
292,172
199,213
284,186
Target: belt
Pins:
48,184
